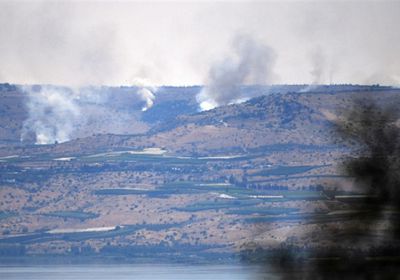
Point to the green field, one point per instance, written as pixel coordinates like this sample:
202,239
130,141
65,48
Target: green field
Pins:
261,211
218,204
5,215
312,218
79,236
285,170
176,188
72,215
156,158
172,189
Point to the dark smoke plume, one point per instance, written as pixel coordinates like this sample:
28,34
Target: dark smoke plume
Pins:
252,64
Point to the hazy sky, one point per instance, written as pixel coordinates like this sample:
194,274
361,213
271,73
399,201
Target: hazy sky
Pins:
176,43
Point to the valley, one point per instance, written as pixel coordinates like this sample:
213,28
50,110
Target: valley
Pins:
197,185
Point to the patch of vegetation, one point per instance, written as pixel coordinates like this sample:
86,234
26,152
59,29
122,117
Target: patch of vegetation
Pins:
148,158
72,215
144,250
311,218
285,170
120,192
218,204
5,215
291,147
262,211
79,236
173,189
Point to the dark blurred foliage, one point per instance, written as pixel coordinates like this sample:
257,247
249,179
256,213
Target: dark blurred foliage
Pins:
376,169
360,248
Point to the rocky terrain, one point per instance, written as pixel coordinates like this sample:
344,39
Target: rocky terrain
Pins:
173,181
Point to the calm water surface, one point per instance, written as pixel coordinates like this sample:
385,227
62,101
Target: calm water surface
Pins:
125,272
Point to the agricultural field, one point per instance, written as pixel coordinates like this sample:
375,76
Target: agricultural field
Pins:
199,184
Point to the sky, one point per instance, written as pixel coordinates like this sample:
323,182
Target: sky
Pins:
178,43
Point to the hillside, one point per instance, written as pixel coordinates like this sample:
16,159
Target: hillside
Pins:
200,184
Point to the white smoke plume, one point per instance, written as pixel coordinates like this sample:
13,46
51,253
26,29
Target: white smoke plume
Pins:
146,92
59,114
148,97
53,113
252,63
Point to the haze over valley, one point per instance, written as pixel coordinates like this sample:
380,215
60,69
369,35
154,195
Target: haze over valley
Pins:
246,136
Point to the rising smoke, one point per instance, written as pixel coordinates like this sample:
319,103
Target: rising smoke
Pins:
252,63
100,42
146,92
59,114
148,97
53,114
322,68
318,62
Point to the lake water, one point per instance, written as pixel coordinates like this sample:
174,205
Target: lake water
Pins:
131,272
